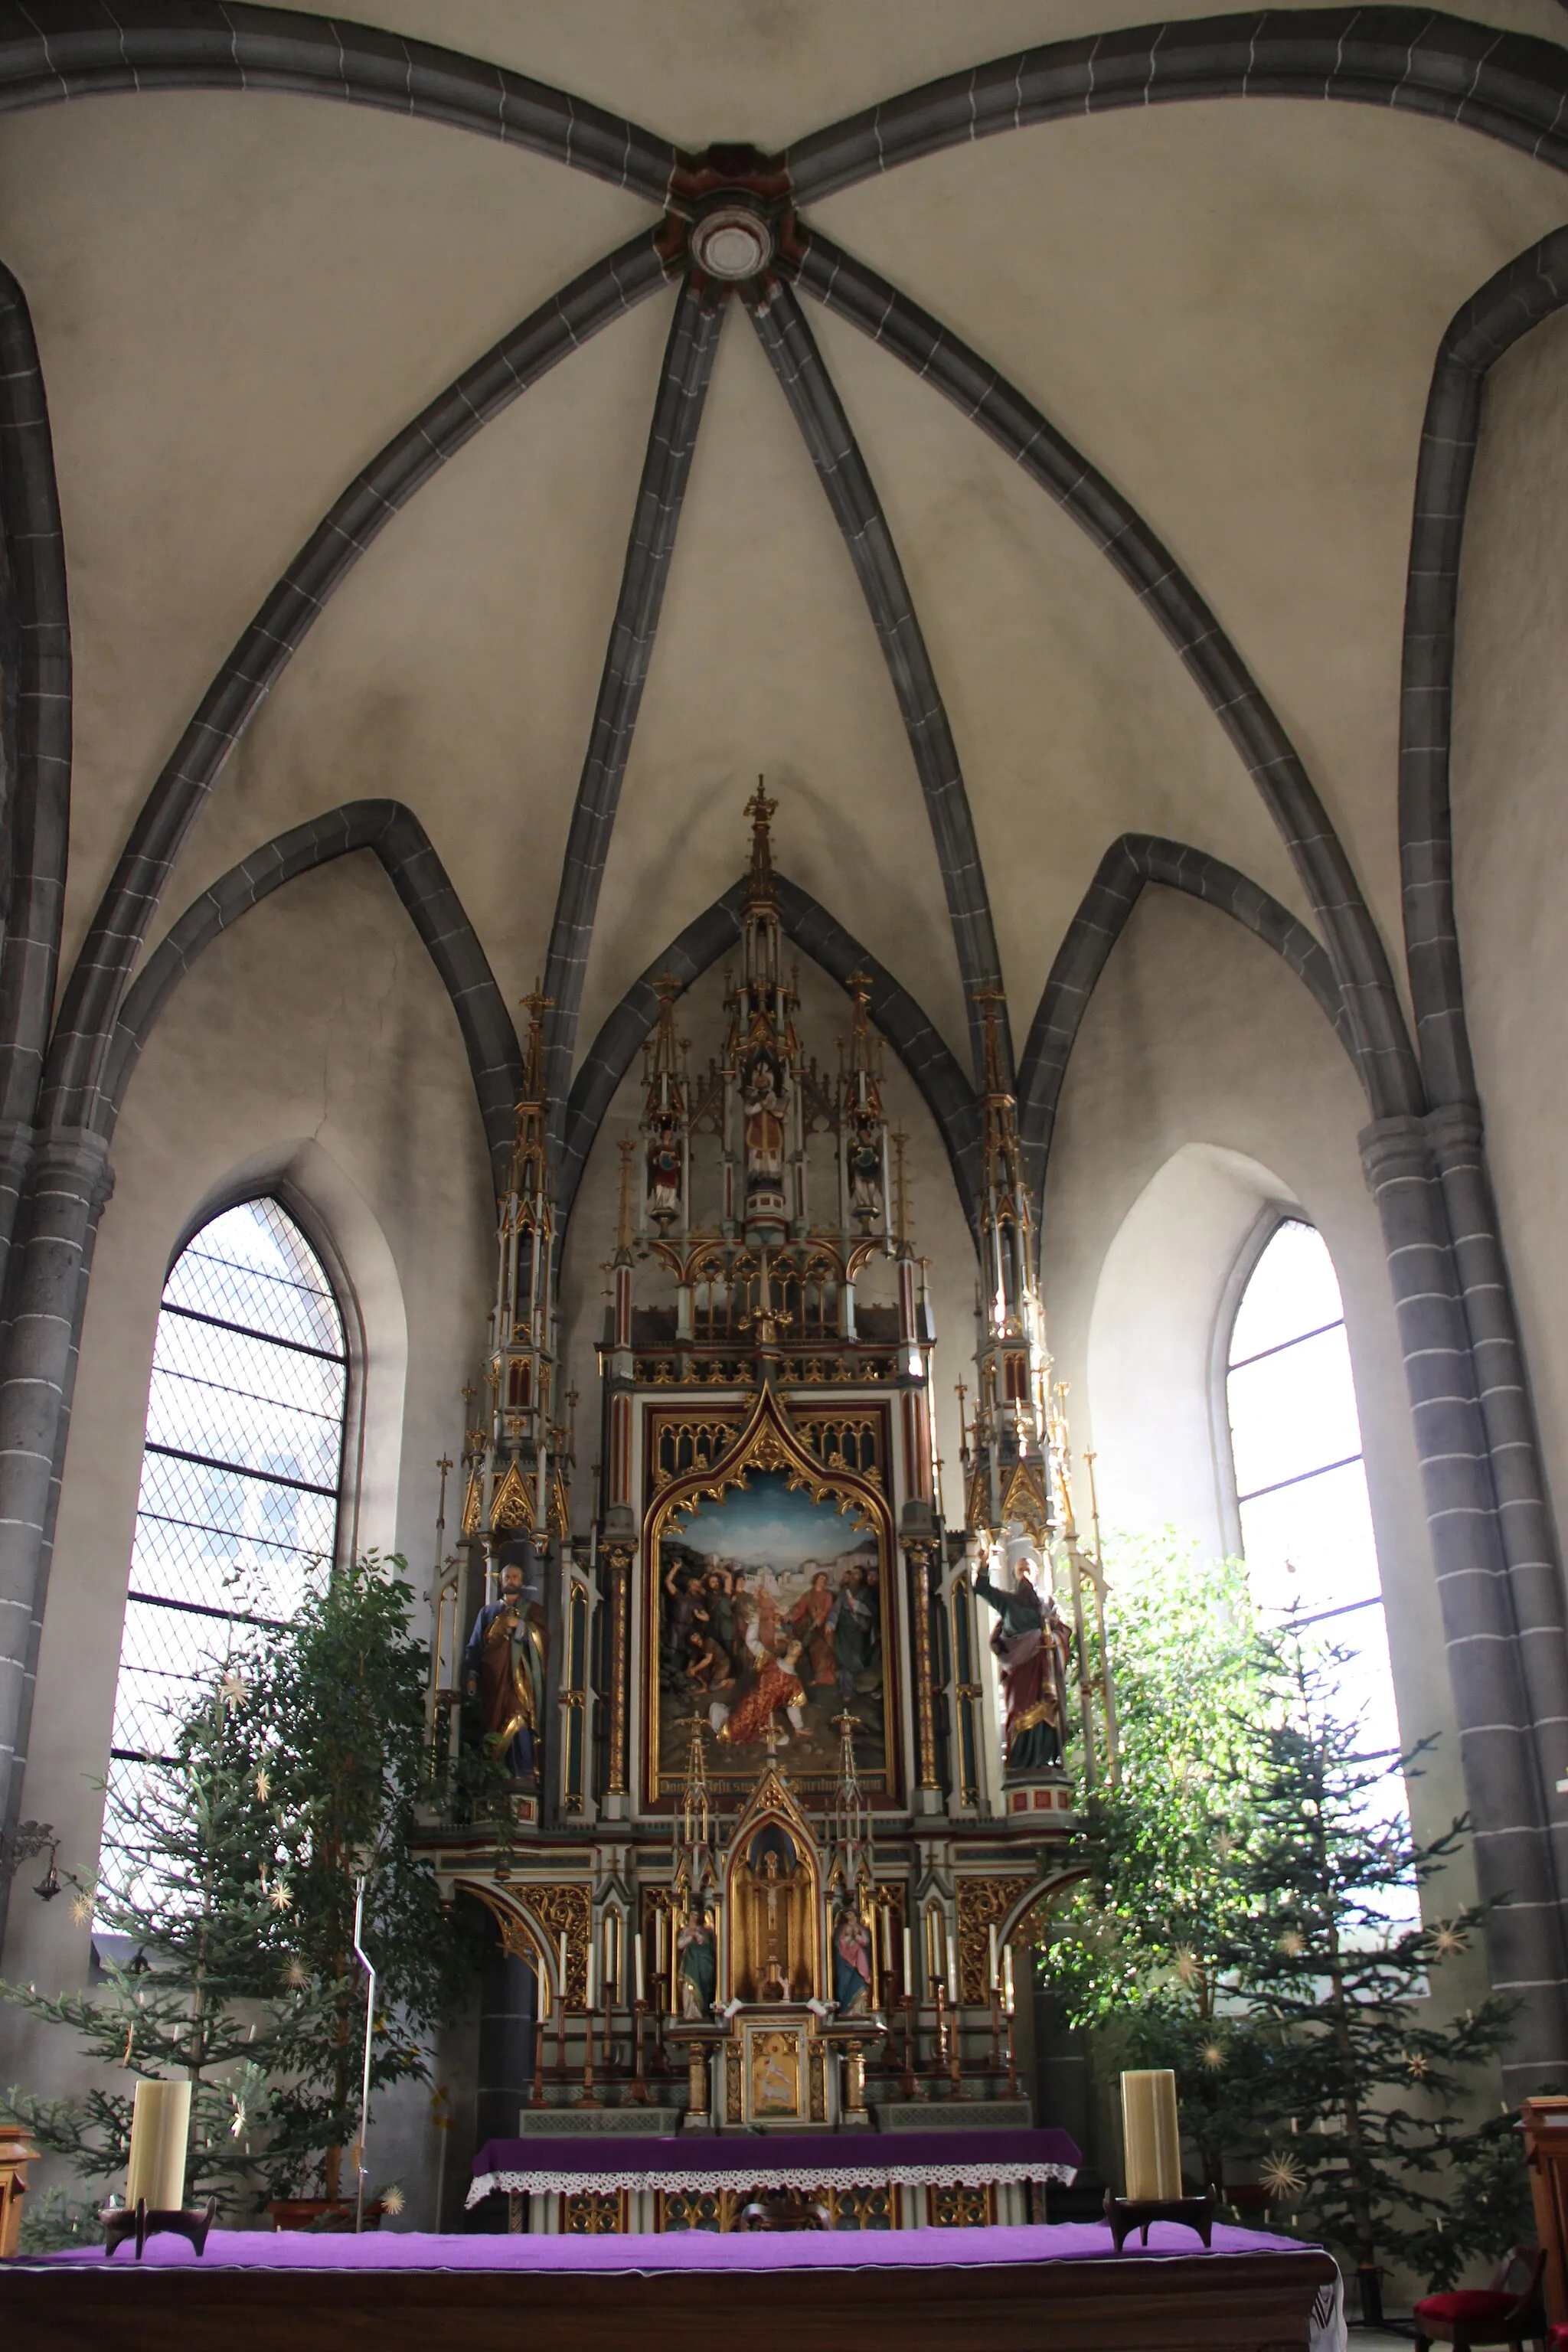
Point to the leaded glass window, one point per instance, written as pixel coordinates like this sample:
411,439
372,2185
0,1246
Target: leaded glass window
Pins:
1295,1435
242,1468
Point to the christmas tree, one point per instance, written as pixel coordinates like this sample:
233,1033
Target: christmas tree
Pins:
207,1994
1334,1966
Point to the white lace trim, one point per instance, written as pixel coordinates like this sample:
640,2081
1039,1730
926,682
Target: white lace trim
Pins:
758,2174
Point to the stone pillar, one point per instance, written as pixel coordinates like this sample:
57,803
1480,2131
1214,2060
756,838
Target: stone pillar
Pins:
68,1183
1523,1514
1507,1803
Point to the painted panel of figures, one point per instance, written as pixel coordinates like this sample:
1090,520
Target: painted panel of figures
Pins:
771,1616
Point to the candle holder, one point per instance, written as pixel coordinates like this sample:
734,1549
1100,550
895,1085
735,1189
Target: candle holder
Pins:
995,2028
911,2088
560,2036
1126,2214
955,2048
585,2096
637,2095
140,2222
609,2054
1013,2091
537,2097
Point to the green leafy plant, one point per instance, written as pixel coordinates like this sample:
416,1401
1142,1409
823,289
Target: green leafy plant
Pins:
339,1752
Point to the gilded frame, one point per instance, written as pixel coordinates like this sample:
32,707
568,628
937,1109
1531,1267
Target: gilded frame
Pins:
768,1441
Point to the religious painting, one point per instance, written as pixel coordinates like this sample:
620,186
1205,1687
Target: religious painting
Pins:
771,1625
775,2071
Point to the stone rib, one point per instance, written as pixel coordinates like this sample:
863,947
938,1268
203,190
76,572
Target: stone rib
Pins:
1523,293
1129,864
1507,86
815,403
656,519
54,50
481,392
394,835
38,789
852,292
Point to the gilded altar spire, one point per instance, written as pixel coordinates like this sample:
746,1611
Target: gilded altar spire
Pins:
1009,1476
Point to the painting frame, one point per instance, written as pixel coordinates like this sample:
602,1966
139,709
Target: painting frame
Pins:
766,1442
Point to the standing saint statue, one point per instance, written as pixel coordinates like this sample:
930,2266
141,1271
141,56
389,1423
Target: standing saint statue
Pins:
851,1962
697,1964
503,1668
1031,1645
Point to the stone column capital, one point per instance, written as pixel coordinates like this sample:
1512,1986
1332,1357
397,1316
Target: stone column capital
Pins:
1393,1151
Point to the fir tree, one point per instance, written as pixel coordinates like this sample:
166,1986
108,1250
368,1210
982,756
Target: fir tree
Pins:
207,1994
1331,1962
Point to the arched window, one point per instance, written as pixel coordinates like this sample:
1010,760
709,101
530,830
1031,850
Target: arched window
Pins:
242,1468
1295,1435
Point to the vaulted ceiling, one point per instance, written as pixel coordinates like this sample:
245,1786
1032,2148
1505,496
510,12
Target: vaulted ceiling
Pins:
1210,328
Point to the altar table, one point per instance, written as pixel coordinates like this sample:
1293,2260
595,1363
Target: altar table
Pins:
866,2180
1002,2290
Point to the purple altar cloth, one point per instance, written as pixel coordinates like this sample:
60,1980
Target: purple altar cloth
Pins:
873,2157
694,2250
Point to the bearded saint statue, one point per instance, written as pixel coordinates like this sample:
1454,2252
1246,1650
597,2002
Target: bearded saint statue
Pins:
1031,1645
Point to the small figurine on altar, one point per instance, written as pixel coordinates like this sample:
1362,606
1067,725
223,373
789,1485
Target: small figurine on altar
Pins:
1031,1645
665,1169
851,1962
864,1164
697,1963
503,1668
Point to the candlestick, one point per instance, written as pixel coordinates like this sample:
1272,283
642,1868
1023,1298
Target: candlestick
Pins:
591,1989
887,1911
991,1955
638,2093
909,1967
160,2129
1150,2135
1007,1977
952,1970
563,1966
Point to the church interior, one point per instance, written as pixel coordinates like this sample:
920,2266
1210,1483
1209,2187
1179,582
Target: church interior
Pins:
781,1193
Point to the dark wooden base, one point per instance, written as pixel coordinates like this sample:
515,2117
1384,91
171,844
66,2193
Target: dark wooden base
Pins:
1126,2214
142,2222
1198,2303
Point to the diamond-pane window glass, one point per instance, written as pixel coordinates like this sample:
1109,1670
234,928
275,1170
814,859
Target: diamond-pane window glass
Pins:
1295,1435
241,1471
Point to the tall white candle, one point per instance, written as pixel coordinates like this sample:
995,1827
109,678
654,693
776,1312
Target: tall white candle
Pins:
636,1956
887,1911
1007,1977
908,1966
160,2128
952,1968
593,1958
1151,2133
563,1968
992,1979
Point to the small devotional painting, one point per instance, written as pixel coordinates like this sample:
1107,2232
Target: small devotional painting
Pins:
771,1615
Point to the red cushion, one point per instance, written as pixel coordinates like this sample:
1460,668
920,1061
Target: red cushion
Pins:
1469,2303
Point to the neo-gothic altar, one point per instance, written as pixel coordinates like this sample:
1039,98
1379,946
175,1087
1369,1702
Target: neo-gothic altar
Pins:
790,1762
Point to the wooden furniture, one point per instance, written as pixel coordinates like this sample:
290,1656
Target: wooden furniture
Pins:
1508,2312
593,2299
1545,2124
16,2152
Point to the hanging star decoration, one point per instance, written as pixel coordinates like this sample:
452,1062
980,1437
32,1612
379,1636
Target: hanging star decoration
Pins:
279,1895
232,1689
391,2200
1186,1966
1214,2056
1447,1939
1282,2175
297,1974
263,1784
81,1909
1418,2064
1292,1943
